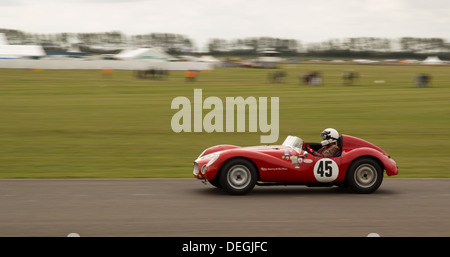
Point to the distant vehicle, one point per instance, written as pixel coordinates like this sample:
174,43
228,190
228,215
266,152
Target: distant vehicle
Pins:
268,59
237,170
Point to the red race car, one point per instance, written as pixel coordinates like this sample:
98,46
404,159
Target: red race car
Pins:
359,165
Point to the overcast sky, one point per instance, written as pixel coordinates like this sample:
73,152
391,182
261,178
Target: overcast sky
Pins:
200,20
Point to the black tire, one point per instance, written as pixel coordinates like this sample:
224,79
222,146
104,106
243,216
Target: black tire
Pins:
238,176
364,176
215,182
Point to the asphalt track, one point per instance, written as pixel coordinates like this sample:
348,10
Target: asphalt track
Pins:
186,207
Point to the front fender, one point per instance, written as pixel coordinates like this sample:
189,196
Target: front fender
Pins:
217,148
257,158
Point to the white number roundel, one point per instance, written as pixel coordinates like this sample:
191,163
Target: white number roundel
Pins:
326,170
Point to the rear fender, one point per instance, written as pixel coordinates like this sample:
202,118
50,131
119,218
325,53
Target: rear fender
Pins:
388,164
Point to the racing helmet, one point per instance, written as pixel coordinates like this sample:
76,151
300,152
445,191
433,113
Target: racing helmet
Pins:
329,135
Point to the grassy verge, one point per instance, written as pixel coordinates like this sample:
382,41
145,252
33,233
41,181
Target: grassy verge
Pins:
72,124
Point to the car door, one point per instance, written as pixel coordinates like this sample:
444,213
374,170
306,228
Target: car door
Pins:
325,170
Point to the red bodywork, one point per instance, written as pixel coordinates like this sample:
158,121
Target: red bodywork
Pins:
276,163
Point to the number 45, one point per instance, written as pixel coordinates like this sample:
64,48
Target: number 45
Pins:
325,168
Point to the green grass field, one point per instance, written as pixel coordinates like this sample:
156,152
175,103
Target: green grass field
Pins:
74,124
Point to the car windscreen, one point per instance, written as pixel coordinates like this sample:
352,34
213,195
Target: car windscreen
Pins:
292,141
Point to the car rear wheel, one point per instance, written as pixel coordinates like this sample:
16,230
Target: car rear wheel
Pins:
364,176
238,176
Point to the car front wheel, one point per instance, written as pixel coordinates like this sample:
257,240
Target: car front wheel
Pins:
215,182
238,176
364,176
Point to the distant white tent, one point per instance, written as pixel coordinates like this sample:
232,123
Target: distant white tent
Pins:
433,60
20,51
8,51
364,61
143,53
188,58
3,40
209,58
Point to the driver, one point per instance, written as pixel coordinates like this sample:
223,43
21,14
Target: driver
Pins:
329,144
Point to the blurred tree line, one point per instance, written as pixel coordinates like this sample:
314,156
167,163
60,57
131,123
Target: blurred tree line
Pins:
358,47
103,42
251,46
176,44
372,47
